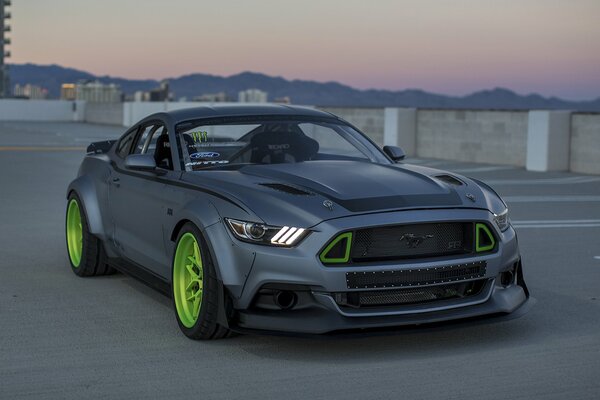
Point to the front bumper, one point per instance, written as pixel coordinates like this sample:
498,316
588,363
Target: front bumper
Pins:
251,268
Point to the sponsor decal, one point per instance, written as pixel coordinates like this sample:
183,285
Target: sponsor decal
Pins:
195,163
199,136
205,154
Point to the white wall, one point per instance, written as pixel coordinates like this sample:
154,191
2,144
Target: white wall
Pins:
41,110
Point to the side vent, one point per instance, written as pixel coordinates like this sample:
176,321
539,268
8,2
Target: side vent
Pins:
449,179
281,187
338,250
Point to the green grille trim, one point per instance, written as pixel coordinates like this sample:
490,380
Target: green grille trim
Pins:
326,260
481,229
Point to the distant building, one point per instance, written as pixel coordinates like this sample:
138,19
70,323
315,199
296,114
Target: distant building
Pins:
67,91
29,91
283,100
93,92
160,93
4,53
220,97
252,96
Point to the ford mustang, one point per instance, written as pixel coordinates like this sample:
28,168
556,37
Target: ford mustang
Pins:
289,219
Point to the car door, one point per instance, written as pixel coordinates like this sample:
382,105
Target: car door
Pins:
138,201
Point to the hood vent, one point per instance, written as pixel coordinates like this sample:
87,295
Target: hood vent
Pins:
449,179
281,187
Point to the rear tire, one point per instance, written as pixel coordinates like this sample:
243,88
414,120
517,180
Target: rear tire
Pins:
85,251
195,287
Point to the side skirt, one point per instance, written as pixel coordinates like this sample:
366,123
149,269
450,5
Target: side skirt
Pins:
142,274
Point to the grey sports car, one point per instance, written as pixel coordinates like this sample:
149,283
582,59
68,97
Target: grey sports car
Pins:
288,219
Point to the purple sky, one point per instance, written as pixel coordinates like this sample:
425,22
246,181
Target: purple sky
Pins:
445,46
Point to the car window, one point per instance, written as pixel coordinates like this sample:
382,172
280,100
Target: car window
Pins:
270,141
125,143
331,145
143,140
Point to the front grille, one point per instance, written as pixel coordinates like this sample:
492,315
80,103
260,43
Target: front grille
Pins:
410,295
412,241
415,277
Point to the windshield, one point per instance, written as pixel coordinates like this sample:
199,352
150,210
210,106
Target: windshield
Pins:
213,145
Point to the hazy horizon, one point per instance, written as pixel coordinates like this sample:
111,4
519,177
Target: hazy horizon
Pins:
449,47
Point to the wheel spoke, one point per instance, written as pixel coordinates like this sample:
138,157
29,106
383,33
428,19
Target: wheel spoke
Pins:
197,255
190,268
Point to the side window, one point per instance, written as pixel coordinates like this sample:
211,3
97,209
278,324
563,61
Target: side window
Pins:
141,146
154,139
125,144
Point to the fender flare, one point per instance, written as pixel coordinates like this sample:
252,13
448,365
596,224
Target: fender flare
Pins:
86,191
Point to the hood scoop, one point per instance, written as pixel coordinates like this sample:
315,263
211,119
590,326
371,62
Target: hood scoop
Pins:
282,187
449,179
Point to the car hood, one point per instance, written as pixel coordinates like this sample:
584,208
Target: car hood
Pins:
305,194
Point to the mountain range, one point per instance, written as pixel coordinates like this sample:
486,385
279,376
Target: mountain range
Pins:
300,91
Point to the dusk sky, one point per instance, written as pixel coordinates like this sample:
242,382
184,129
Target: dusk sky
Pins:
444,46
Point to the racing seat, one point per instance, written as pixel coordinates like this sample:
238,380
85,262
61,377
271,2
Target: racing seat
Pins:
282,147
162,153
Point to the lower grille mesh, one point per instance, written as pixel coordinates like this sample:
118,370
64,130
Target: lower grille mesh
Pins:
415,277
410,295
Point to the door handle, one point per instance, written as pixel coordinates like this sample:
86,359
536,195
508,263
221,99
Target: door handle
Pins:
116,182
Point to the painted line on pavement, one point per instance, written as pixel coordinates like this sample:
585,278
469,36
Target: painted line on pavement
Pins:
483,169
561,223
551,181
551,199
41,148
541,226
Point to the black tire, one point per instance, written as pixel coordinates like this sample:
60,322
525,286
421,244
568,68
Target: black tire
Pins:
206,326
93,257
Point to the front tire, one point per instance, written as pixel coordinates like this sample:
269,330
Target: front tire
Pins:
85,251
195,288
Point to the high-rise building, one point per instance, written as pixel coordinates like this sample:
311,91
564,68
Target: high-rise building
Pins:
252,96
29,91
4,53
91,91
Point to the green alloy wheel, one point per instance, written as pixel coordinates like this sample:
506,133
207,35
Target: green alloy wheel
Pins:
86,251
197,293
74,233
188,276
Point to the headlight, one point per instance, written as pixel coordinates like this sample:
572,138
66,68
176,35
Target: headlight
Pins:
286,236
502,220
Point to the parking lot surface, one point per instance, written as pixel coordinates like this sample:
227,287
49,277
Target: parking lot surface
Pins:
111,337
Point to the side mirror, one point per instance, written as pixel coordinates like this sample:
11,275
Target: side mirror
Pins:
394,152
141,162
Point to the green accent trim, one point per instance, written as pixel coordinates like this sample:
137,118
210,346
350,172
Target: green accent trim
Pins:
323,257
74,233
188,276
479,248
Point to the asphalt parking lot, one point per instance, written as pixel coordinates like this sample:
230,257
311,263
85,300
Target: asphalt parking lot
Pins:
111,337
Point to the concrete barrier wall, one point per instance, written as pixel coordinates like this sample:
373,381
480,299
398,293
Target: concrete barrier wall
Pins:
41,110
495,137
369,120
135,111
585,143
535,139
104,113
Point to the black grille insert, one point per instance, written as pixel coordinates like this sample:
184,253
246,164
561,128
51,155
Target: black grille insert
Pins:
412,241
415,277
410,295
